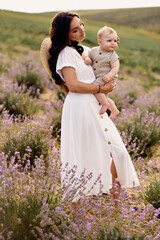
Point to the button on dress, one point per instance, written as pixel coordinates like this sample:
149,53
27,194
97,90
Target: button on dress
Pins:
87,138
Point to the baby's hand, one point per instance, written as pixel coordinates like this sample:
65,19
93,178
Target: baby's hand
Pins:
106,78
87,61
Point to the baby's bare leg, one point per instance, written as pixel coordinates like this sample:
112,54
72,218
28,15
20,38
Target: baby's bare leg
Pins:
102,99
113,108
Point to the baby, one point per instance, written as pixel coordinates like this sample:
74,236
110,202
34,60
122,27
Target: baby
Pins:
105,64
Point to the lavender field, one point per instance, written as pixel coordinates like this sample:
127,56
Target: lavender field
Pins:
33,203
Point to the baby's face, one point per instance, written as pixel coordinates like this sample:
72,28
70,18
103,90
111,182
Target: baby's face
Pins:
108,42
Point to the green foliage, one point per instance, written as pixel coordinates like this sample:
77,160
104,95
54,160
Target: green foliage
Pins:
23,29
130,96
56,126
32,81
114,234
116,98
19,104
134,57
141,132
1,68
151,81
19,216
61,95
29,145
152,194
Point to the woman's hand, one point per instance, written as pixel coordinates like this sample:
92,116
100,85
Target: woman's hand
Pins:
108,87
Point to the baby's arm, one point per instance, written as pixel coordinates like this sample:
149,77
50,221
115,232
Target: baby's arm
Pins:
114,70
87,60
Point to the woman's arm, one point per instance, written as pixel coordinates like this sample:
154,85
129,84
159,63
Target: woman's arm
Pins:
70,77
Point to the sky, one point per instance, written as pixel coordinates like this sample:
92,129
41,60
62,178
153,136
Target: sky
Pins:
38,6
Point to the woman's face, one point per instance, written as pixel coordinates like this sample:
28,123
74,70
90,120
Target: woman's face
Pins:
76,32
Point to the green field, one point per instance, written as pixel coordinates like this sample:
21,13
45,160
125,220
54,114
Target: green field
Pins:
138,48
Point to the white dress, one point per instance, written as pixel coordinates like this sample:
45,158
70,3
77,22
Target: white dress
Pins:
87,138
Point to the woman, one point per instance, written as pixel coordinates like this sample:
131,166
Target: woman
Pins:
88,140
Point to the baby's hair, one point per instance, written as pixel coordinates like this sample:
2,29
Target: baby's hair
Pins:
105,29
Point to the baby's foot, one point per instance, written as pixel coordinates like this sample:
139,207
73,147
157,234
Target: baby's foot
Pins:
103,109
114,114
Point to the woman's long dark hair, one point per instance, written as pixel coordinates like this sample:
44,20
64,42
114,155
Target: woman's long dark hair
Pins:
59,37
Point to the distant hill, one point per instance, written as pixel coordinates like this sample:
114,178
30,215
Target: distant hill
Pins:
146,18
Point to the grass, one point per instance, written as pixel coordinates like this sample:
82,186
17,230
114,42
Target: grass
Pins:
29,145
138,48
19,104
29,31
144,18
25,212
152,194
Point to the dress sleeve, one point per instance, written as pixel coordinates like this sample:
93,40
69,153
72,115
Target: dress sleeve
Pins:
66,58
